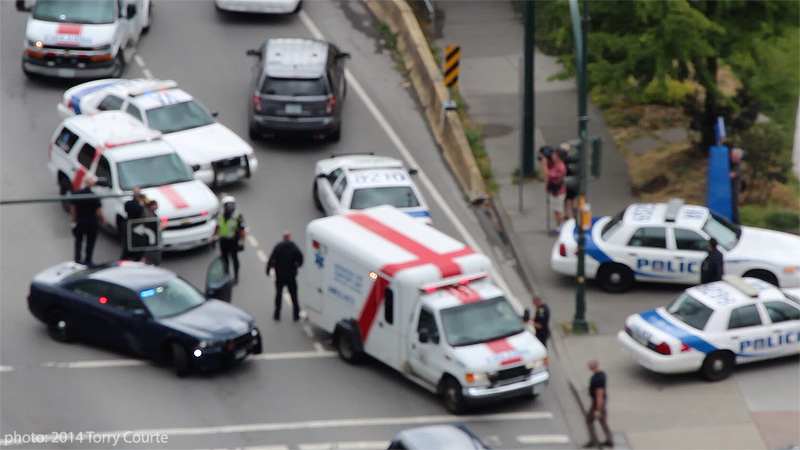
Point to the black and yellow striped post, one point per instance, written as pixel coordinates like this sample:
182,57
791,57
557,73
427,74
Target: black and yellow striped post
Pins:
452,55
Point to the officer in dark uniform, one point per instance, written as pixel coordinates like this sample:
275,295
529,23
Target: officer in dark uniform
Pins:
541,320
134,209
285,259
86,216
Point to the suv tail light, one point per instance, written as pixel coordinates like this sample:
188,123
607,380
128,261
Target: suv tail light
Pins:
330,104
663,348
257,103
562,249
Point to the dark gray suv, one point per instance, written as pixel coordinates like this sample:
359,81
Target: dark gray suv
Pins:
298,85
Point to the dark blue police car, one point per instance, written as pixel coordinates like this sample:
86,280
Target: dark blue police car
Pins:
147,310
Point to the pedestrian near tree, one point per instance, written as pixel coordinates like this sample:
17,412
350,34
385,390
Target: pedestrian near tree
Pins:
86,216
735,174
712,267
541,320
556,170
598,410
572,191
285,259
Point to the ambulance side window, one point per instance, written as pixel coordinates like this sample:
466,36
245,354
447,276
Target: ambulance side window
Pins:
781,312
103,169
427,323
86,155
654,237
745,316
689,240
388,306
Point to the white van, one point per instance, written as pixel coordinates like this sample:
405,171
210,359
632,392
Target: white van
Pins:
389,286
82,38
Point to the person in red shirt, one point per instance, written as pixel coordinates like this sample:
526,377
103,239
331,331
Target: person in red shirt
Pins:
556,170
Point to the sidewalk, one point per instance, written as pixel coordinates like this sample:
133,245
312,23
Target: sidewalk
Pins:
709,415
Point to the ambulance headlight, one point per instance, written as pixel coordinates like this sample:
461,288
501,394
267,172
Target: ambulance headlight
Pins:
476,377
540,365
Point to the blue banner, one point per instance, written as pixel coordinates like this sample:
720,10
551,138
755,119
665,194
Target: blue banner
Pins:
719,182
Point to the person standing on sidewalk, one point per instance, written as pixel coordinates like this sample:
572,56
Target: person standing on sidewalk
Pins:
285,259
541,320
556,170
598,410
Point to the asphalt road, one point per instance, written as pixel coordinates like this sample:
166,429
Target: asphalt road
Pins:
297,394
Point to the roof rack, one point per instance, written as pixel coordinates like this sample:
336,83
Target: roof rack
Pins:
155,85
740,284
673,206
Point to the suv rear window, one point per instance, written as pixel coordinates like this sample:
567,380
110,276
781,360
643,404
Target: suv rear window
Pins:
293,87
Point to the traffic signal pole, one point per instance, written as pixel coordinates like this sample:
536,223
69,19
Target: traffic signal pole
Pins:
579,28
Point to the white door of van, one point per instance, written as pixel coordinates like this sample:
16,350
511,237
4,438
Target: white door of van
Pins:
425,354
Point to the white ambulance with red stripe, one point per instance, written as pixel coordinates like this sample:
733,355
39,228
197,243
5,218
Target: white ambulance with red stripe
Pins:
123,153
388,286
82,39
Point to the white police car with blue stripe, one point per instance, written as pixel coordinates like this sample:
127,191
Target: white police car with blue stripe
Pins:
711,327
667,242
349,182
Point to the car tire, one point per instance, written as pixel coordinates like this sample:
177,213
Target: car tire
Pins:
336,135
298,7
763,275
346,348
254,134
64,188
717,365
315,194
615,278
119,65
60,326
181,363
453,396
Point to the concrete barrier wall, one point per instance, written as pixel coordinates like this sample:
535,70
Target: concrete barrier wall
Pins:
426,77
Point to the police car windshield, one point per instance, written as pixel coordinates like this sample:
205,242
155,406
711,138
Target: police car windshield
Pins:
397,196
174,297
154,171
726,233
74,11
690,311
481,321
178,117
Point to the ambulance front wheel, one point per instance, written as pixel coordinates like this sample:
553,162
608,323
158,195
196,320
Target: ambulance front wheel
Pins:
453,396
717,366
346,348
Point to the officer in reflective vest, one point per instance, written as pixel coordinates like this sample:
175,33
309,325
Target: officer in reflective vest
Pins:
230,229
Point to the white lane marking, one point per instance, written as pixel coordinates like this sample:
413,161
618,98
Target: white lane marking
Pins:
319,347
543,439
267,447
253,241
355,445
293,355
311,424
262,256
6,368
287,299
97,364
309,332
139,61
412,162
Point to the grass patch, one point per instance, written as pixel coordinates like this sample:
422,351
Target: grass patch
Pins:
390,43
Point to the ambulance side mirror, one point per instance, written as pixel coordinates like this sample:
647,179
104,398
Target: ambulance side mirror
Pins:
130,11
425,335
412,171
526,316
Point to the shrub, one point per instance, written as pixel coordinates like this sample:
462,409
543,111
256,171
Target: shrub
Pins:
666,92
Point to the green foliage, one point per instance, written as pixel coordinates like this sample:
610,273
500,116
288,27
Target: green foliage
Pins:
389,39
768,216
768,147
666,91
783,220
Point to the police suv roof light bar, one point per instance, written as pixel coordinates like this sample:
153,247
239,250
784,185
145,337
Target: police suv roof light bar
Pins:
673,207
740,284
153,86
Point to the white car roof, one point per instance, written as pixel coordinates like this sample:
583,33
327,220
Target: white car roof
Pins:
111,128
733,292
690,216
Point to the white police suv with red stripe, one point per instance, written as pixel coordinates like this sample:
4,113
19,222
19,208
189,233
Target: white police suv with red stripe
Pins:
667,242
351,182
711,327
389,286
82,39
216,154
123,154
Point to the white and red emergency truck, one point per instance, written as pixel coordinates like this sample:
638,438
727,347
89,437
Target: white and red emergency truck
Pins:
388,286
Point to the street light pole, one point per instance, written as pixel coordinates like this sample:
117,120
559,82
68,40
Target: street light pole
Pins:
579,27
527,169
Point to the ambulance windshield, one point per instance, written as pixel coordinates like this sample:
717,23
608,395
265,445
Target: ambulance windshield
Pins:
481,321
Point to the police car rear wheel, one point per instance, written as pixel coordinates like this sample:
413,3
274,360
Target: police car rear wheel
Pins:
317,203
717,366
615,278
453,397
763,275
